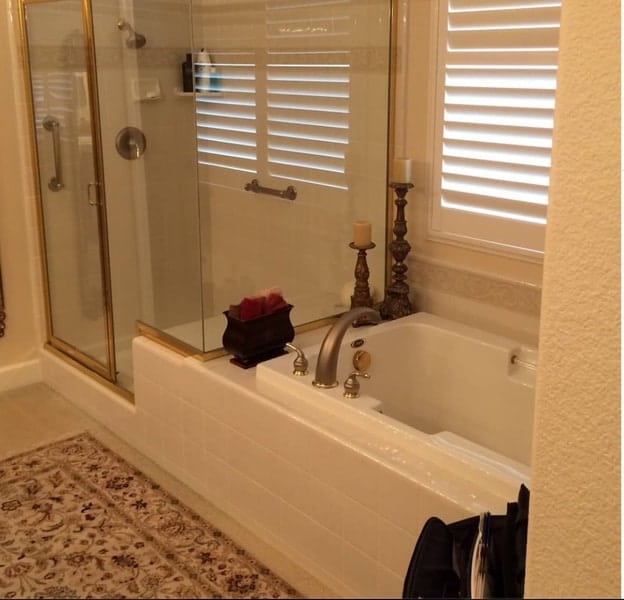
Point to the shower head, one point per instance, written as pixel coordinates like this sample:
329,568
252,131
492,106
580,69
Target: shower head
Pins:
135,40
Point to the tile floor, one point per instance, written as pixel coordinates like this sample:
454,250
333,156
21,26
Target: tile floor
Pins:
36,415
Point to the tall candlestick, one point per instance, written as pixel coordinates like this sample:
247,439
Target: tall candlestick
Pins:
401,170
361,292
397,302
362,233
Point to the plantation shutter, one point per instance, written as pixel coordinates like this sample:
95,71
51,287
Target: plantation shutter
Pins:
308,116
494,127
282,111
226,119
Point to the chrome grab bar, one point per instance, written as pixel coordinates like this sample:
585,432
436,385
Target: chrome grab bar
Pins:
52,124
254,186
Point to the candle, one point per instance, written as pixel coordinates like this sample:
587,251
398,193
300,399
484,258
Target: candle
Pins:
402,170
361,233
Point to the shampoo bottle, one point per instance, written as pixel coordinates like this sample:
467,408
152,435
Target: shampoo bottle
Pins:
206,77
187,74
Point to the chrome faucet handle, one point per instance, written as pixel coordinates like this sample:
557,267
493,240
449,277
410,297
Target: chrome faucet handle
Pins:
300,364
352,384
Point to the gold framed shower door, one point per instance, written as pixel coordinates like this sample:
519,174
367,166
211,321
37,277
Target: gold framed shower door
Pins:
61,85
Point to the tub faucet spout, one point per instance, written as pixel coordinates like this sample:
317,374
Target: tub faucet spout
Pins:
327,362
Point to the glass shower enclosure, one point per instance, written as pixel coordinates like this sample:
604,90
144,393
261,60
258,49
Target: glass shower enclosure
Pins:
148,214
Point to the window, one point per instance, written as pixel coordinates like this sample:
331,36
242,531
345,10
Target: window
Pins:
226,119
282,110
308,116
497,68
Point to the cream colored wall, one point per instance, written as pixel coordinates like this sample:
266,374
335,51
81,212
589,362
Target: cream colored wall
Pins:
20,266
574,524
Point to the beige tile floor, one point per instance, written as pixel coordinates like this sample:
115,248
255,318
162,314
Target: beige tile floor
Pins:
36,415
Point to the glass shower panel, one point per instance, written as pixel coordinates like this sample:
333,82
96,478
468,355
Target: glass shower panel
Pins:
71,197
296,94
166,200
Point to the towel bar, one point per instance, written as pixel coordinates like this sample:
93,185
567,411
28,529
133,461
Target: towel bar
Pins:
254,186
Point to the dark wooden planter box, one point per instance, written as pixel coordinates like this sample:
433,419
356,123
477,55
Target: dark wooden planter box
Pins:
255,340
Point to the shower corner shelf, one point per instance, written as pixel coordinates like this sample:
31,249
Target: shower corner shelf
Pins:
178,92
146,89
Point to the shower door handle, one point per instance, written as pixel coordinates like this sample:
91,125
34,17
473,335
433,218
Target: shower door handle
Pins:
52,124
93,197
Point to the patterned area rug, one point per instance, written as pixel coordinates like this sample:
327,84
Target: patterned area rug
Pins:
77,521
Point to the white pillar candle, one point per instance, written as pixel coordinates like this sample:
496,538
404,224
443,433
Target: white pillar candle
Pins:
361,233
401,170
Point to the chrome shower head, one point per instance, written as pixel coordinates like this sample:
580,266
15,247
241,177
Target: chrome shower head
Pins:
135,40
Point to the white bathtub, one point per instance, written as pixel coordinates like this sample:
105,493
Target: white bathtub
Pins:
439,391
332,483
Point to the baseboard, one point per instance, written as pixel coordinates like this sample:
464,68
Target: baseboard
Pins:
20,374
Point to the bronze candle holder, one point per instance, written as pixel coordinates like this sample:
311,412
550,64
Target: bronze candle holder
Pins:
396,302
361,292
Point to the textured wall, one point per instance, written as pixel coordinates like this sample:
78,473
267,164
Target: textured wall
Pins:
574,530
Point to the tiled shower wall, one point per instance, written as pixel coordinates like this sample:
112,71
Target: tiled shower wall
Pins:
170,162
124,179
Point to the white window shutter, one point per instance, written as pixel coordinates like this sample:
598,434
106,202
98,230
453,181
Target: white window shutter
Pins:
283,108
226,120
497,68
308,116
